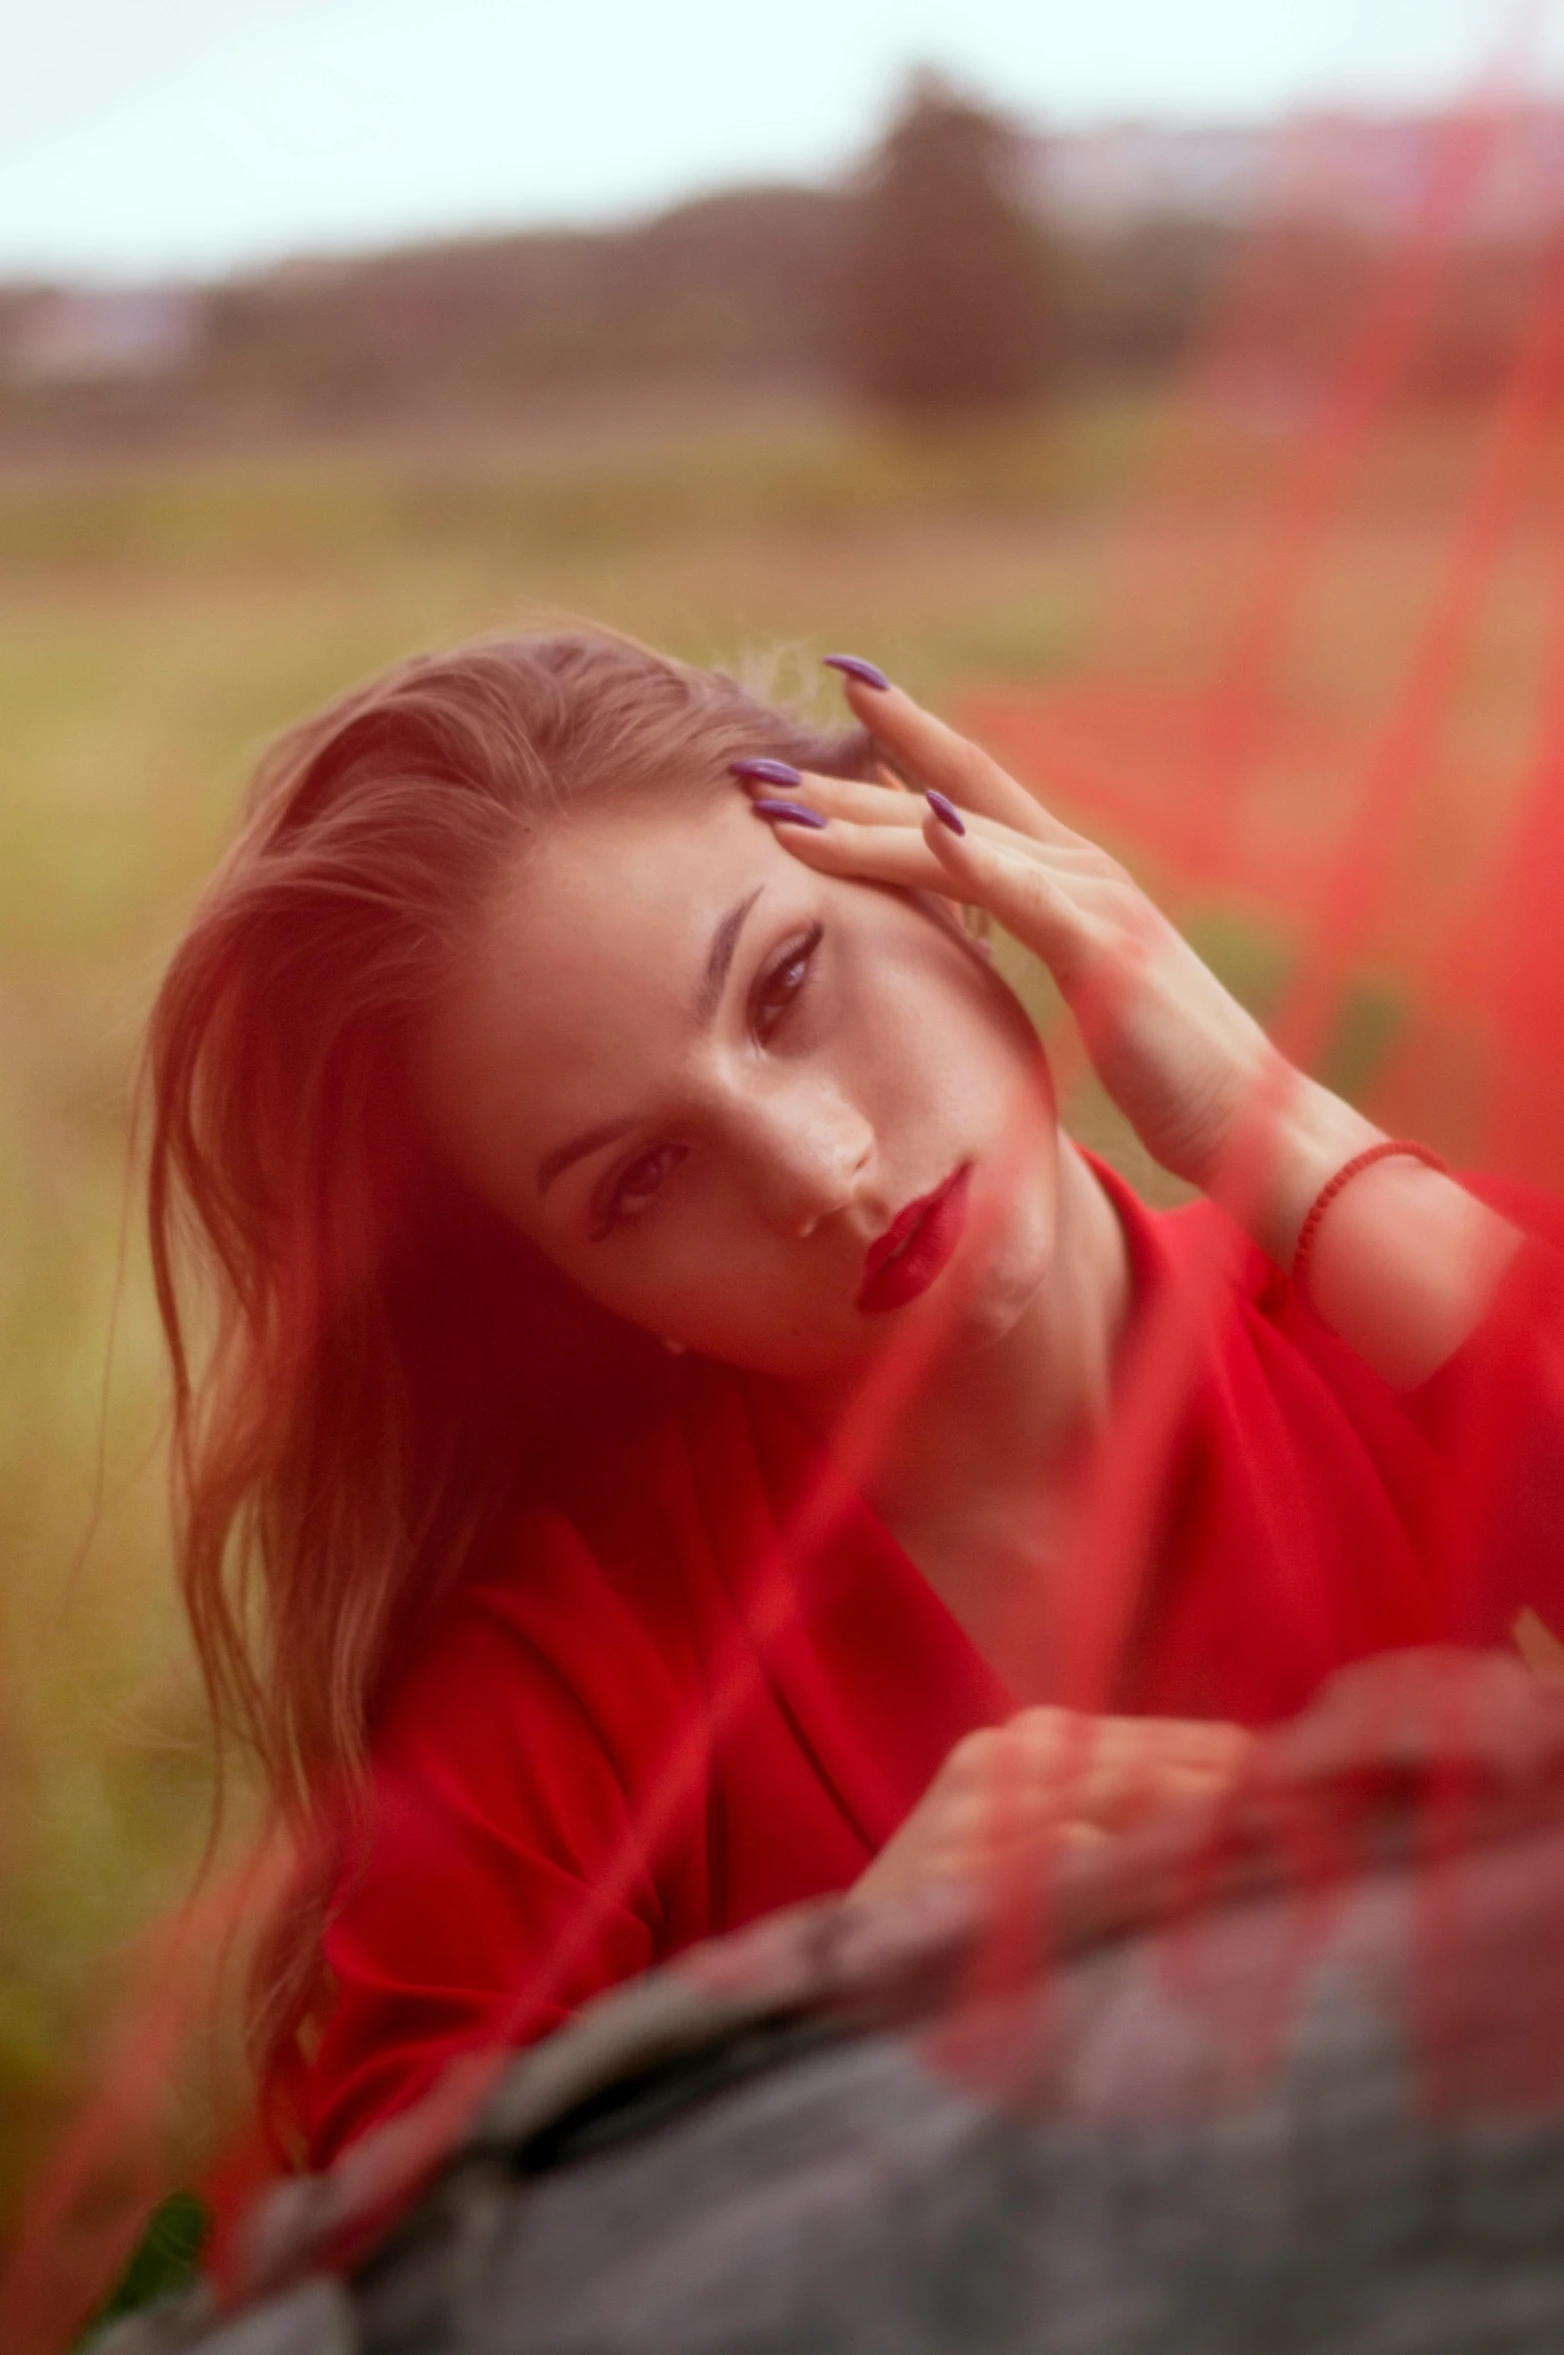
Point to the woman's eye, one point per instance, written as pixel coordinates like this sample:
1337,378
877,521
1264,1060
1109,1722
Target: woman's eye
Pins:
781,982
635,1187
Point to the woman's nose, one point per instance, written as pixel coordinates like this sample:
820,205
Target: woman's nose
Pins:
807,1155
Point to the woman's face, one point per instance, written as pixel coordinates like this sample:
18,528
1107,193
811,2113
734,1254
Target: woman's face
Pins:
708,1081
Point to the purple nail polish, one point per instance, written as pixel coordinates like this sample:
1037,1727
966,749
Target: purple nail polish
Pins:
946,812
853,666
766,772
788,813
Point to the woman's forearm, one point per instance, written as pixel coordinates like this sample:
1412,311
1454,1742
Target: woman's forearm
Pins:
1405,1261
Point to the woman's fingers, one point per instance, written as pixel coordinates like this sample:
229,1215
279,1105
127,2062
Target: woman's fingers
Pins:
862,803
1107,1771
868,853
1038,901
850,798
1034,890
1043,896
929,753
1052,1775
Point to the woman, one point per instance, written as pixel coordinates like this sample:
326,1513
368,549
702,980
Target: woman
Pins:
678,1409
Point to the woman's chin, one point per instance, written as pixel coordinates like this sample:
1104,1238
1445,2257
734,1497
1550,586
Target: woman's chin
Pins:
998,1278
996,1304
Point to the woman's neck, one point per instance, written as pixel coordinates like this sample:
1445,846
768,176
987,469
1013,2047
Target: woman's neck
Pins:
966,1479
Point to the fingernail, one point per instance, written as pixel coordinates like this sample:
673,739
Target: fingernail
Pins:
946,812
855,667
788,813
766,772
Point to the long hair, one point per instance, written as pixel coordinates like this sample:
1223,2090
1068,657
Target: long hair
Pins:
369,1365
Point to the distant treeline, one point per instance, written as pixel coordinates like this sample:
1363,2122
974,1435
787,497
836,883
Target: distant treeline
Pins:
938,281
737,289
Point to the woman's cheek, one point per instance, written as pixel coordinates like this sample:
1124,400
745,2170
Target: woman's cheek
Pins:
681,1270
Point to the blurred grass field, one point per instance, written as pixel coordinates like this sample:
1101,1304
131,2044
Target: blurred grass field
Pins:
156,625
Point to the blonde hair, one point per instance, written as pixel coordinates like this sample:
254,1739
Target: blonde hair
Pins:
384,1364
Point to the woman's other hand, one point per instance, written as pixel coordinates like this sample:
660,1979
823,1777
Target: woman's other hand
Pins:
1049,1775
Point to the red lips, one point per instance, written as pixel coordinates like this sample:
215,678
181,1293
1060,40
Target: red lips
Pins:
919,1241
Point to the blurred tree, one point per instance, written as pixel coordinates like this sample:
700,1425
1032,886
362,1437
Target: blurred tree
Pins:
949,284
1133,297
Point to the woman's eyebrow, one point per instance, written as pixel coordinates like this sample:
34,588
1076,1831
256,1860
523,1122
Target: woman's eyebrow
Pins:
719,961
719,957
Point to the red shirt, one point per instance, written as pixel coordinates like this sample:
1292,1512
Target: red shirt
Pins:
656,1719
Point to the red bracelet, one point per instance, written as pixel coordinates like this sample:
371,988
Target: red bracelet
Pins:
1344,1177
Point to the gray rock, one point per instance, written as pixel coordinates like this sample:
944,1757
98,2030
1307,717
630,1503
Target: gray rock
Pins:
1173,2100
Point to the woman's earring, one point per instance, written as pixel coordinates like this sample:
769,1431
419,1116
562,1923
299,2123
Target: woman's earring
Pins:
674,1348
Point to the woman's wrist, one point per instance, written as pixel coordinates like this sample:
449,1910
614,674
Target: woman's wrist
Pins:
1307,1138
1387,1149
1404,1261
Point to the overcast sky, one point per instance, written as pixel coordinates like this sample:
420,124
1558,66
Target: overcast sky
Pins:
146,137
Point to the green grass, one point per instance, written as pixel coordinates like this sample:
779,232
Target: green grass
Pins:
165,2263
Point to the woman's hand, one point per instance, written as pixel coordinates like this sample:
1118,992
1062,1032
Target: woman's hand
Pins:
1407,1261
1048,1774
1174,1049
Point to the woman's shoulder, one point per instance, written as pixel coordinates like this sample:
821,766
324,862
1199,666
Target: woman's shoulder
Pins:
1168,1243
